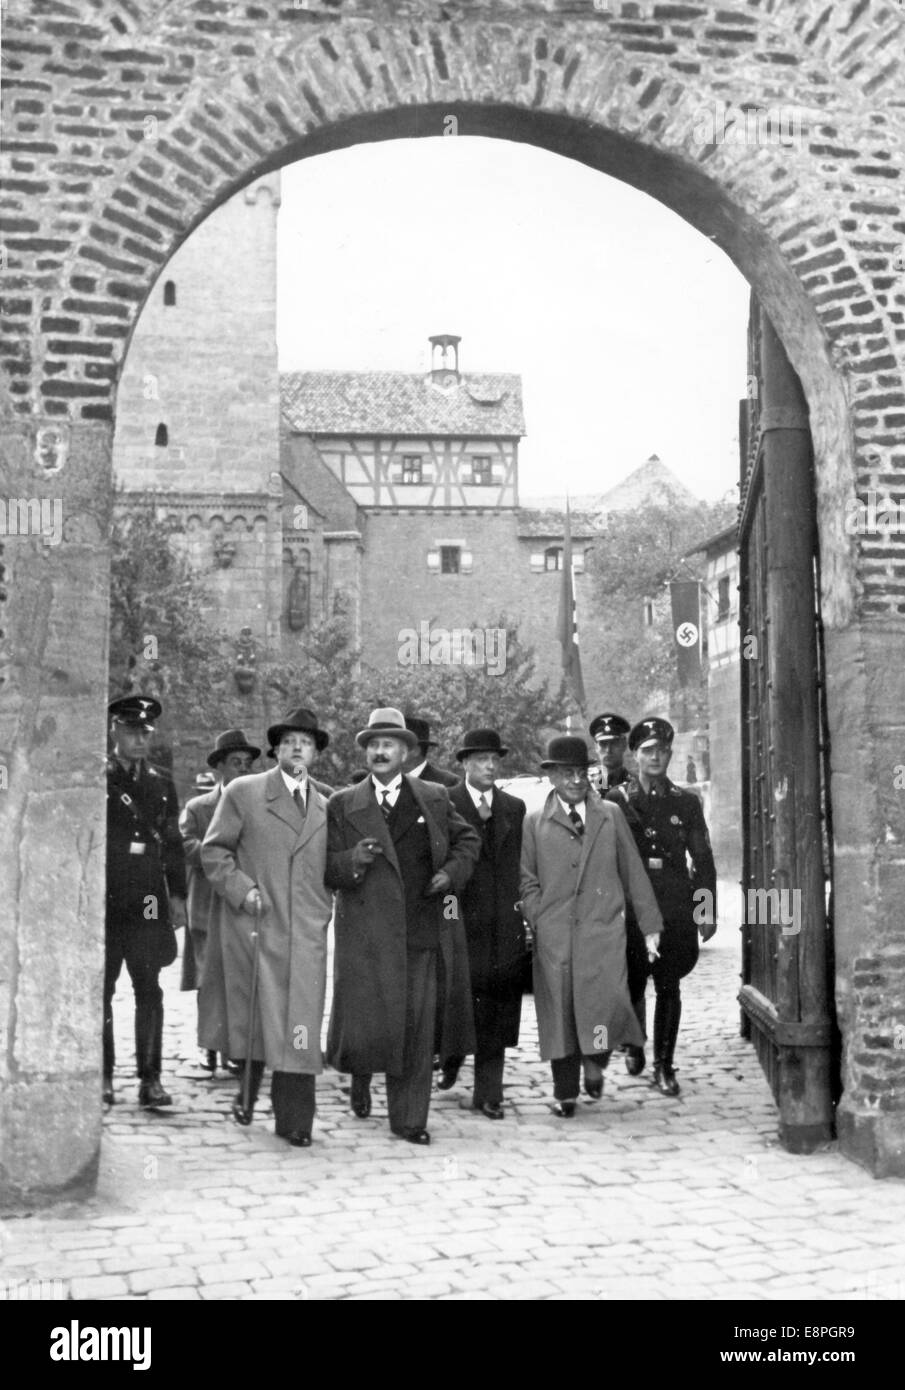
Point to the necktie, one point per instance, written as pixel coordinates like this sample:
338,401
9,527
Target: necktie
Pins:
298,799
385,806
484,810
576,820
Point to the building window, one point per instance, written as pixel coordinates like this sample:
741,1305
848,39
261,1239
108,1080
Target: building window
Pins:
411,468
481,470
723,599
169,294
553,557
450,559
162,437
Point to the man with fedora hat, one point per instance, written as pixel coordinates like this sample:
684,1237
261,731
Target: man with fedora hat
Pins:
231,756
145,888
579,864
417,762
309,747
610,733
669,829
265,854
398,853
494,928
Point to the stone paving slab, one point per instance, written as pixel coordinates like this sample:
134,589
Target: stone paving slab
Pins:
637,1197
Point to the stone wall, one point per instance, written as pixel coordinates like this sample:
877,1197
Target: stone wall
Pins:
125,128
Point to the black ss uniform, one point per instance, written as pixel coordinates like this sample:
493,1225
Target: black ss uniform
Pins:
669,830
637,964
144,859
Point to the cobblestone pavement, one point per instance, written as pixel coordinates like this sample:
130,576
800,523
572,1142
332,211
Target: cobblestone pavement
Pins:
637,1197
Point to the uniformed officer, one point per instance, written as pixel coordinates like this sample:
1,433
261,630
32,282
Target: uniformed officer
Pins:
610,733
669,829
146,888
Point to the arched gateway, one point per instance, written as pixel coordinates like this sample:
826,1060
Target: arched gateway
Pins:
124,129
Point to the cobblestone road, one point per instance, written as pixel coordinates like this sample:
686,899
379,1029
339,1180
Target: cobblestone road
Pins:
636,1197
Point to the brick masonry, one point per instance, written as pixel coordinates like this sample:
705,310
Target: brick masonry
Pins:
124,129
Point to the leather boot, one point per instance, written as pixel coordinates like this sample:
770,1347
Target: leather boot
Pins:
667,1015
634,1055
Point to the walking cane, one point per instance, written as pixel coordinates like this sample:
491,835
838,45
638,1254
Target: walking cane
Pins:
252,1002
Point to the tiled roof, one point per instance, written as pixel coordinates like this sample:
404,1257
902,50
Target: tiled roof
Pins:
402,403
550,524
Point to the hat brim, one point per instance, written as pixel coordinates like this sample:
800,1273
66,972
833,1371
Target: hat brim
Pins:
464,753
276,732
214,759
364,736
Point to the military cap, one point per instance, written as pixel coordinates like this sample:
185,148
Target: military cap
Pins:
139,710
609,726
648,730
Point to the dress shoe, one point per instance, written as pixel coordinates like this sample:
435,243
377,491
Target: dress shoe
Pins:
416,1136
240,1114
564,1109
665,1080
493,1109
448,1079
107,1095
360,1098
234,1068
634,1060
299,1139
151,1095
210,1062
594,1089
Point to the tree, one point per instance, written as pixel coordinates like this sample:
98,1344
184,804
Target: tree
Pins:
633,562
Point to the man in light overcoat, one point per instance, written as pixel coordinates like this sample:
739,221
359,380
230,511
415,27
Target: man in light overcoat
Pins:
265,855
579,864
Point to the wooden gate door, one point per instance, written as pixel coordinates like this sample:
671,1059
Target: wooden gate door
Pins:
787,968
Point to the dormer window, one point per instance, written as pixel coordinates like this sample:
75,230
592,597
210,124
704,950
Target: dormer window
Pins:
411,469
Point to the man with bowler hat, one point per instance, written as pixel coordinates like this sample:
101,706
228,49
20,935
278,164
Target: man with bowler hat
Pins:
265,855
231,756
398,853
494,927
145,888
669,829
610,733
579,864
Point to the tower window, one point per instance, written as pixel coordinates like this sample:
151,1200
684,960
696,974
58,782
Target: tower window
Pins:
481,470
169,294
162,437
450,559
411,468
723,599
553,557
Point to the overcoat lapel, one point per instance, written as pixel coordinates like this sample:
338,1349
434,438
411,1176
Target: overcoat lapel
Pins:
315,818
367,816
279,801
594,820
439,842
501,821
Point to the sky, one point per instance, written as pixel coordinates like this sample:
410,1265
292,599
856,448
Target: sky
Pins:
627,326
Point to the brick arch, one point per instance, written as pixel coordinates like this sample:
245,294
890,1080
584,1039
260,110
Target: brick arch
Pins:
124,130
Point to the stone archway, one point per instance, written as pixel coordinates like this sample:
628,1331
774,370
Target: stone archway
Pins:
124,133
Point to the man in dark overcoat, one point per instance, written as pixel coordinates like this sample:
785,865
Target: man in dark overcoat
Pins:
231,756
494,928
454,1035
398,854
145,888
610,733
671,835
265,855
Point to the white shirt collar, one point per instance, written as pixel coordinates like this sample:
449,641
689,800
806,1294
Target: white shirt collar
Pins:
476,795
393,788
581,808
417,771
292,785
